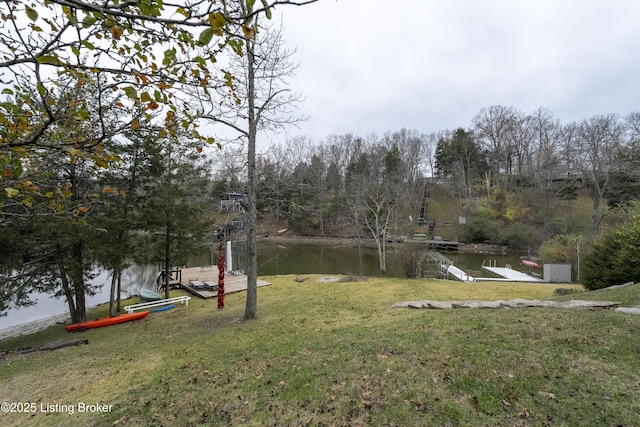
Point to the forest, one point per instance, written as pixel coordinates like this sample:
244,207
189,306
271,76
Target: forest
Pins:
506,175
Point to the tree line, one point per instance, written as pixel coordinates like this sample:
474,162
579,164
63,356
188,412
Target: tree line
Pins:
374,186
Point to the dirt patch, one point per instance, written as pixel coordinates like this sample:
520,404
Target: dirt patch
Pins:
328,279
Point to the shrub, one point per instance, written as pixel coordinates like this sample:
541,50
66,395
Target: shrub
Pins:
481,229
562,248
518,236
615,259
410,257
599,267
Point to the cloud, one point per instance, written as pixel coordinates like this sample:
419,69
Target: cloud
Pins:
374,66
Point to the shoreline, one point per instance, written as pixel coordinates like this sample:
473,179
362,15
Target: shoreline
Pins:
37,325
368,242
33,326
40,324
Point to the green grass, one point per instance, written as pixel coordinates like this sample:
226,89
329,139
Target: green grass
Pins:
338,354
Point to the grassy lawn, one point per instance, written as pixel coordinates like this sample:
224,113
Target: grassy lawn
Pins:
338,354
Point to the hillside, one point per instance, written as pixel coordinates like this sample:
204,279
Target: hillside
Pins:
564,217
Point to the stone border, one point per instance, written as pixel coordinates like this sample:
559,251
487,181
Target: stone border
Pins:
513,303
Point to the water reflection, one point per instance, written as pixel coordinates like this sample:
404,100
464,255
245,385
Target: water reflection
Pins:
46,305
273,259
283,258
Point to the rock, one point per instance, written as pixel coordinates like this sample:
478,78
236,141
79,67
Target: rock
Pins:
491,304
630,310
587,305
516,303
404,304
624,285
438,304
520,303
467,304
415,304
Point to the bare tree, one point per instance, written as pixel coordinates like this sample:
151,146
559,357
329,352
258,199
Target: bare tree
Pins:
521,140
545,131
546,138
633,126
569,145
494,127
601,138
262,102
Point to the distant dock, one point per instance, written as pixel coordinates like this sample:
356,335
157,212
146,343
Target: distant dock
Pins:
436,245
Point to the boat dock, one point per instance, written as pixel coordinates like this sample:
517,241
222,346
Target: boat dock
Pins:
452,270
508,275
203,281
436,245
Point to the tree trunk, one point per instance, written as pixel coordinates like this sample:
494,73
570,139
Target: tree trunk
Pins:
596,216
78,283
251,307
112,294
167,260
66,288
383,255
119,291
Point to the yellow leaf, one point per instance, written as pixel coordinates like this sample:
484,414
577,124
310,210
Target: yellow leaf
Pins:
11,192
135,124
116,32
249,32
217,20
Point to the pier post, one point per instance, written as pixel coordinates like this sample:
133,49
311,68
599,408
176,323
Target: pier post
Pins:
229,258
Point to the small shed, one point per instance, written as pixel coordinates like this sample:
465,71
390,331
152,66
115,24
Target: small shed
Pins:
557,273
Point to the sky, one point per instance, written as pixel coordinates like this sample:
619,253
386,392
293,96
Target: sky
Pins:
373,66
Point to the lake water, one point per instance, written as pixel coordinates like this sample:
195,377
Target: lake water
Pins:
273,259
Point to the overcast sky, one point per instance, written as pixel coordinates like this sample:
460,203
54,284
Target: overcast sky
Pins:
372,66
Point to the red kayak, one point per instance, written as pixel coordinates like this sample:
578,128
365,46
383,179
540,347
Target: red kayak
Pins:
530,263
107,321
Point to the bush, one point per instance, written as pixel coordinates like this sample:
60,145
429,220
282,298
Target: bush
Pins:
561,249
518,236
481,229
615,259
410,257
599,267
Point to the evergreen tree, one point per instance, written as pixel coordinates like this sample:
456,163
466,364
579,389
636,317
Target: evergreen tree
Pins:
615,259
174,207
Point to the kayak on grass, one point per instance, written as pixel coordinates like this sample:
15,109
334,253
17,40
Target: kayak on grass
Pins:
107,321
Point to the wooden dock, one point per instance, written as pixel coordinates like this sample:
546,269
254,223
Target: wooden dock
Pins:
436,245
200,281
